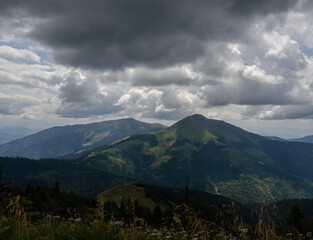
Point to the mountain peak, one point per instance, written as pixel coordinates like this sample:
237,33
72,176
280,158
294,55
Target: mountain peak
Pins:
200,117
197,116
199,121
197,126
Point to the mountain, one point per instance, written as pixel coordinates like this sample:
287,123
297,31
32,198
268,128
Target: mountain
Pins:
59,141
306,139
11,133
212,156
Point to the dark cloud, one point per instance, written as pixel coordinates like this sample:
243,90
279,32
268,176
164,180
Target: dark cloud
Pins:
256,7
7,5
159,77
168,58
114,34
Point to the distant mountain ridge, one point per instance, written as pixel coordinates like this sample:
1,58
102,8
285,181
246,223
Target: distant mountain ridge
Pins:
10,133
59,141
306,139
277,138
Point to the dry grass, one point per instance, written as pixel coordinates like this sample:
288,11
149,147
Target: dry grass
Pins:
184,225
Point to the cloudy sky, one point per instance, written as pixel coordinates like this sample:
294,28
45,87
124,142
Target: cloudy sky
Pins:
248,62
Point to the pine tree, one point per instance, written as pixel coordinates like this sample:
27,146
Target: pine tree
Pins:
296,217
187,195
56,188
157,215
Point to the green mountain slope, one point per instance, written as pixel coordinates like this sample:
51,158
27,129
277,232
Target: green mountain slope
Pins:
59,141
213,156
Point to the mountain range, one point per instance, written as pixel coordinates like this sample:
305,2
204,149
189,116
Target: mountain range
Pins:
59,141
208,155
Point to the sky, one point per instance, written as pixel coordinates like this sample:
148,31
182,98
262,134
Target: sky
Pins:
247,62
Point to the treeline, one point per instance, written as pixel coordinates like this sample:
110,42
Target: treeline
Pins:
129,211
40,200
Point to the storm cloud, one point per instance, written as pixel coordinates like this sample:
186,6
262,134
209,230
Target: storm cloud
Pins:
159,59
115,34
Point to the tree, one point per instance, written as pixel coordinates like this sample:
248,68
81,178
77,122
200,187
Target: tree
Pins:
56,188
296,217
157,215
187,195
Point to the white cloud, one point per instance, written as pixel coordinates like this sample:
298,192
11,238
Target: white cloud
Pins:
18,54
141,99
299,26
253,72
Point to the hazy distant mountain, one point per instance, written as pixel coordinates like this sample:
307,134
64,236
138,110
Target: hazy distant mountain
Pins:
10,133
277,138
58,141
306,139
213,156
